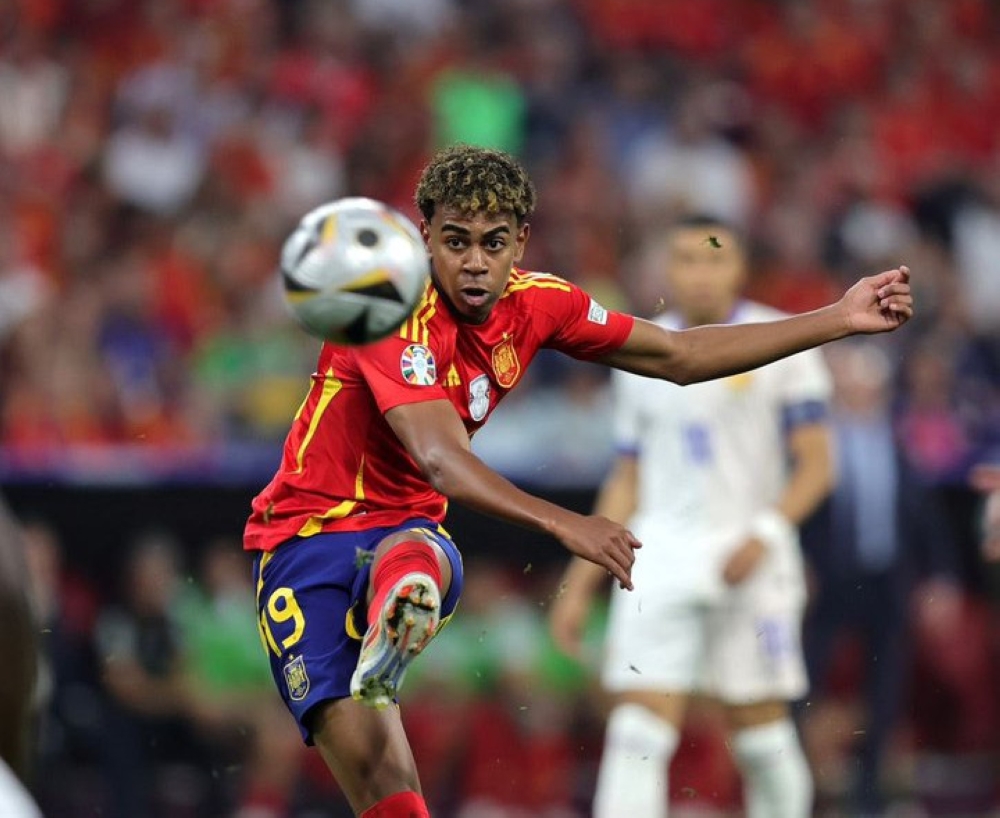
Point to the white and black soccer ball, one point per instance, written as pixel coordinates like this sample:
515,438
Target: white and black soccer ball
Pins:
353,270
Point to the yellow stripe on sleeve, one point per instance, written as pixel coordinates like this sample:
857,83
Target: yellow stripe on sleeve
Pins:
554,284
415,328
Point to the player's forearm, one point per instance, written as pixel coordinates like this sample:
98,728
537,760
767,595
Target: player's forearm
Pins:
616,498
706,352
715,351
464,478
582,578
812,476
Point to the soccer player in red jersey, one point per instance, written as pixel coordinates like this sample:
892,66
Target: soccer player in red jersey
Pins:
354,572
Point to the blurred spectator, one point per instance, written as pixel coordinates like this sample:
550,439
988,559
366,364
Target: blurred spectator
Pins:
152,164
976,235
255,749
691,166
881,533
69,701
146,736
34,87
931,417
475,99
987,480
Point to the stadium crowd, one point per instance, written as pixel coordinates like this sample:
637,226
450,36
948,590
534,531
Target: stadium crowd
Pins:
153,156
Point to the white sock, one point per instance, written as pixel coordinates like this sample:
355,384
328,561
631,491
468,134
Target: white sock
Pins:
777,781
632,781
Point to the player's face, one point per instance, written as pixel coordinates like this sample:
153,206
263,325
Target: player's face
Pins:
705,272
471,257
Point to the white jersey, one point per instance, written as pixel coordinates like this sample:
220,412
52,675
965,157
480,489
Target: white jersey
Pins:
711,456
15,802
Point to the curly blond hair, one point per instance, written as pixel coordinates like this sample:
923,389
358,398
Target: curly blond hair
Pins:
470,179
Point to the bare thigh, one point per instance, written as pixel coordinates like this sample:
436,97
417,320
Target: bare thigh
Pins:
669,705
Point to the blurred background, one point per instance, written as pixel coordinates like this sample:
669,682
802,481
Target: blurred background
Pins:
153,156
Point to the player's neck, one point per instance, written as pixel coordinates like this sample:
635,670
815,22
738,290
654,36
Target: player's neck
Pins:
455,313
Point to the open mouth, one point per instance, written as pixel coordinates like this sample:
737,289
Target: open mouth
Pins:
475,296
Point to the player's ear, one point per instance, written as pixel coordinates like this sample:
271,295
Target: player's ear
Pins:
520,240
425,232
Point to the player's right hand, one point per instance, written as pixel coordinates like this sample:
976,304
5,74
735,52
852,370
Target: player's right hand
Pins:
879,303
602,542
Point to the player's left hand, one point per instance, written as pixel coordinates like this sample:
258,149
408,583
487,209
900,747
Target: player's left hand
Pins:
742,562
879,303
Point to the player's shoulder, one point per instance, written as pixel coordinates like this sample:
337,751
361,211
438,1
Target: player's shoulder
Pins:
526,284
430,319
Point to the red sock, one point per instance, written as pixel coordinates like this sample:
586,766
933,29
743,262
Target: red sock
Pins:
400,805
403,559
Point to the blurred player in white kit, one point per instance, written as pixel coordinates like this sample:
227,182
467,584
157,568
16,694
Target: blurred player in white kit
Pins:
714,478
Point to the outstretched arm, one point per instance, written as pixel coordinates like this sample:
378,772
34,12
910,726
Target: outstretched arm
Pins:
878,303
433,434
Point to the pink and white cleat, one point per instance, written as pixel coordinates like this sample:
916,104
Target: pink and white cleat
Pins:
405,626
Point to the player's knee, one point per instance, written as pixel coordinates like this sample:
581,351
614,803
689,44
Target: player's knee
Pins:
747,716
761,744
418,553
637,730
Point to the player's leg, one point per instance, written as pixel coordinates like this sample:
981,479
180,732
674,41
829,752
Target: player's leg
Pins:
367,751
766,746
640,740
412,570
756,669
654,650
311,602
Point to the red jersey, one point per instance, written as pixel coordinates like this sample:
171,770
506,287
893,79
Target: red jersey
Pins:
344,469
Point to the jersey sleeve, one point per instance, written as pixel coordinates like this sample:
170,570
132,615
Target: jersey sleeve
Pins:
399,371
573,322
806,389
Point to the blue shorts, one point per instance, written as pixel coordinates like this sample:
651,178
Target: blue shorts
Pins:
311,610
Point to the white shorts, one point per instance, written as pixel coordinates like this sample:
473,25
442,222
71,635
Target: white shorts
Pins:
744,648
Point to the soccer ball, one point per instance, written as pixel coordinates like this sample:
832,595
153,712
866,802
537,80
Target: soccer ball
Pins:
353,270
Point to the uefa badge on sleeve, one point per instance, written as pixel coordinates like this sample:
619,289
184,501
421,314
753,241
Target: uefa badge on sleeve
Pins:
418,366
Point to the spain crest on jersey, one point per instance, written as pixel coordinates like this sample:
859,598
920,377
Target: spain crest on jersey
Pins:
296,678
506,366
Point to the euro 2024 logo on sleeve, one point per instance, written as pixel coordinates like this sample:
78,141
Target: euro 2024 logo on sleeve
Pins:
418,366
